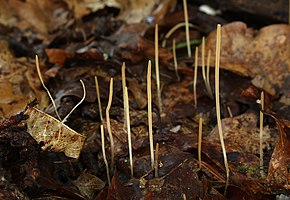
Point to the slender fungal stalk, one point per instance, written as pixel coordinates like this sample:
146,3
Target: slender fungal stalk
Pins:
84,96
109,123
173,29
195,76
43,85
156,160
186,28
150,114
157,68
203,60
217,100
199,141
99,98
230,111
104,154
129,130
175,60
208,87
123,88
261,135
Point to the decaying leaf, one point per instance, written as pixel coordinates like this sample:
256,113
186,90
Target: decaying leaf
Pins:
263,56
55,135
280,162
242,134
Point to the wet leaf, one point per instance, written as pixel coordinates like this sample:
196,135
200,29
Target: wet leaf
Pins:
55,135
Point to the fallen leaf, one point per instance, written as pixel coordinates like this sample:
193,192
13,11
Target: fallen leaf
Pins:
280,162
55,135
263,56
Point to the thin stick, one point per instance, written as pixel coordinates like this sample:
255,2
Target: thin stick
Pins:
175,60
104,154
128,130
199,141
208,88
84,96
99,98
150,113
195,76
157,68
217,100
156,160
261,135
109,123
43,85
123,88
186,28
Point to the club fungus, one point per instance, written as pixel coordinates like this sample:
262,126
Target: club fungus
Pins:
128,130
99,98
43,85
123,74
109,124
104,154
217,100
261,135
203,60
199,141
195,76
175,60
208,87
186,28
157,69
150,113
156,160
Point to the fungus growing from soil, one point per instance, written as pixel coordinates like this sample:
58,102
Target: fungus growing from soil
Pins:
150,113
217,100
186,28
195,76
261,135
199,141
109,124
157,69
104,154
128,130
99,98
175,60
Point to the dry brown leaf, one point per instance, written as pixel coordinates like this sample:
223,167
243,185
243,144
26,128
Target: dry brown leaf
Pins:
132,11
55,135
280,161
18,83
44,17
263,55
242,134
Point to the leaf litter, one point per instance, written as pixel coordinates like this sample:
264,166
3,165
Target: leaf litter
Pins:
83,39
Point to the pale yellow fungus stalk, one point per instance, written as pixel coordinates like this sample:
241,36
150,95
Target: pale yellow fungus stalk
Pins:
99,98
199,141
186,28
195,76
208,88
129,130
261,136
150,114
157,69
217,99
156,160
109,123
123,74
175,60
104,154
